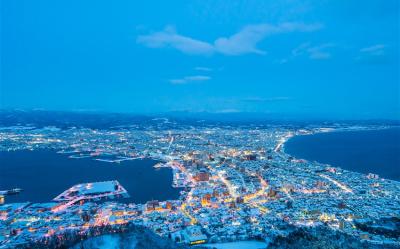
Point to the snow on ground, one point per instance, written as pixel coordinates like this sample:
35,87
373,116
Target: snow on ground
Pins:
238,245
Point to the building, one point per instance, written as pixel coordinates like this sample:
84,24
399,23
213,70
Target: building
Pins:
192,235
202,176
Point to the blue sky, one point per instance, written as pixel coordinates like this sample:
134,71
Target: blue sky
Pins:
335,59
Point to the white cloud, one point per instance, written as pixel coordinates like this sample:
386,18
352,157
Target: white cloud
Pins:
243,42
378,49
169,38
300,50
319,52
189,79
375,54
197,78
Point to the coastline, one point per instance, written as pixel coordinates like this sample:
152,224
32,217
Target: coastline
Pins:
58,163
318,131
294,191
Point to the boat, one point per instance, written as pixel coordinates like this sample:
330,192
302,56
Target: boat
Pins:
13,191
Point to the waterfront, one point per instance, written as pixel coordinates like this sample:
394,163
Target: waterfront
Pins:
44,174
238,185
367,151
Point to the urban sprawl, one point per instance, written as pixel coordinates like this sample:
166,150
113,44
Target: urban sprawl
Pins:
237,183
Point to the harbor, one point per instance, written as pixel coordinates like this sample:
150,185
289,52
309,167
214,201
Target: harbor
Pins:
203,186
55,172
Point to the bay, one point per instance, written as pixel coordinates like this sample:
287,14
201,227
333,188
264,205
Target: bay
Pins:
366,151
43,174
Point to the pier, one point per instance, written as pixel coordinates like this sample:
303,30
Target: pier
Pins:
90,191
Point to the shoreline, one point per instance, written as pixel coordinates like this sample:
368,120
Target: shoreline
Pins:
333,130
98,163
215,165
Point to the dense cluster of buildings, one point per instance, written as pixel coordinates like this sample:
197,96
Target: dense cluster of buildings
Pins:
239,184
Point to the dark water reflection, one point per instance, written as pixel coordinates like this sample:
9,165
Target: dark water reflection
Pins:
373,151
45,174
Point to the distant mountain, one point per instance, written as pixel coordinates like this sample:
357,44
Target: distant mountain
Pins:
104,120
40,118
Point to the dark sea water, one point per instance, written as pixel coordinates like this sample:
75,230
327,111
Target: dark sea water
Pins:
45,174
373,151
